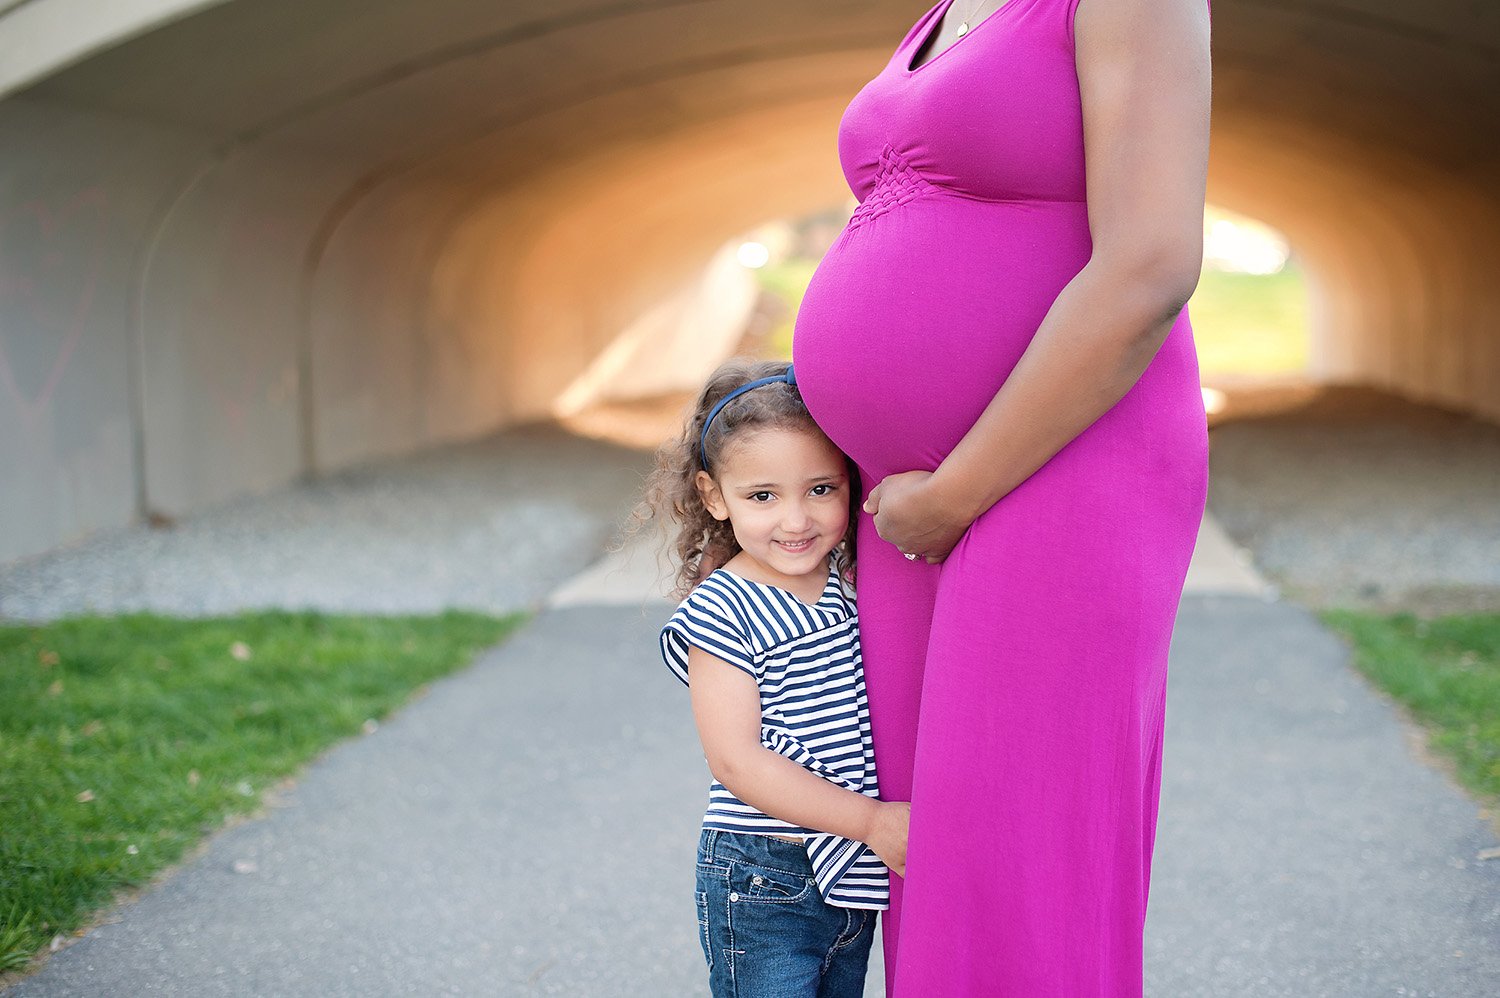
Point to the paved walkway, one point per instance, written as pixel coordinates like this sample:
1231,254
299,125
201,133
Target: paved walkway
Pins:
526,828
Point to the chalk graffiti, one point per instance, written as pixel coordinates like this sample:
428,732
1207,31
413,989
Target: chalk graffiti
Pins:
50,259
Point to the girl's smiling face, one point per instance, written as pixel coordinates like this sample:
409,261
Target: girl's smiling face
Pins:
785,493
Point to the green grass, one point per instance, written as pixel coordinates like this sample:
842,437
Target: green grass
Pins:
124,740
1446,671
1246,324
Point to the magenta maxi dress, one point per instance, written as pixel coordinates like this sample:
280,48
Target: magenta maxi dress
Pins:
1016,690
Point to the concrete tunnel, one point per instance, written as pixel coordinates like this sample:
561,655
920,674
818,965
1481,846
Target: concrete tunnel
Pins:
243,243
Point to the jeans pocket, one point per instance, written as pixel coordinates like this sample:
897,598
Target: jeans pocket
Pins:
763,885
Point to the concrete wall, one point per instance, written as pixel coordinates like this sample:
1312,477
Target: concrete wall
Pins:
233,258
80,194
245,242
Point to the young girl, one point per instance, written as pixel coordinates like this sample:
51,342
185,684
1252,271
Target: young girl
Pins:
793,854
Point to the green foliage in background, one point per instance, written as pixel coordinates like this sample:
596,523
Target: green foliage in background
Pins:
1248,324
788,281
124,740
1446,671
1243,324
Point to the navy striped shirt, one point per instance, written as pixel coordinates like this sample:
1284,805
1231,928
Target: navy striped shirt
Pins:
813,710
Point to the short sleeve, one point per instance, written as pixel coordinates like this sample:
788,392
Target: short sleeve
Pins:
703,622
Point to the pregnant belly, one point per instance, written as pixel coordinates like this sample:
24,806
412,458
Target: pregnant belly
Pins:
914,319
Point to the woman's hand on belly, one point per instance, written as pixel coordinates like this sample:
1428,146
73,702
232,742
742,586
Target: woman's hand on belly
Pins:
912,513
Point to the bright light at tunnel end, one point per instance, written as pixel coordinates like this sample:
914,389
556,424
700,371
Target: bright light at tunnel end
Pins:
1242,245
753,255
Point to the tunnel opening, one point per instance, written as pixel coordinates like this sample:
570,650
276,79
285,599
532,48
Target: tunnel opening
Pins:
1250,318
1250,312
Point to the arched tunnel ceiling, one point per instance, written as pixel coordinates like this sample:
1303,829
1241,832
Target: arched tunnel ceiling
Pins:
387,223
487,92
378,81
469,87
362,78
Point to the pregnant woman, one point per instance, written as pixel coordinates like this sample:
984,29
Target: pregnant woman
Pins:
999,339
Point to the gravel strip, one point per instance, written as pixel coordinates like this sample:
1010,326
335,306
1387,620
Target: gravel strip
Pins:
1345,496
490,525
1352,497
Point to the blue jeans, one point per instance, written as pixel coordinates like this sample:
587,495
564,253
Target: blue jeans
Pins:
765,929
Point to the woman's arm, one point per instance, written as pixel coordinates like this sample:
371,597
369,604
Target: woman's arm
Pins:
1143,77
726,706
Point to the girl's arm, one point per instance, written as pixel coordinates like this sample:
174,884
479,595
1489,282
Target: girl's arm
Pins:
726,706
1143,78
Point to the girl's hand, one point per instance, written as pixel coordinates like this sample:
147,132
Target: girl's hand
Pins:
887,836
912,514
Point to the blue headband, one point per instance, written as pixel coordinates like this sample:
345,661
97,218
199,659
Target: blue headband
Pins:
787,378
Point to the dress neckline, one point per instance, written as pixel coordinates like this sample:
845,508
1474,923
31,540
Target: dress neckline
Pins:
833,583
933,26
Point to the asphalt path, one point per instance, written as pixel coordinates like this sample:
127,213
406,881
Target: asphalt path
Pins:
527,825
527,828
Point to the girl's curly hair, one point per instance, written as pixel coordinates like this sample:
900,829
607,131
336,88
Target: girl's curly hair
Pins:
703,543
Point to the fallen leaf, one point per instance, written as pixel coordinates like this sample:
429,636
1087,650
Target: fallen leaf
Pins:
193,777
370,726
48,657
240,651
1490,853
56,688
244,866
131,849
92,728
85,797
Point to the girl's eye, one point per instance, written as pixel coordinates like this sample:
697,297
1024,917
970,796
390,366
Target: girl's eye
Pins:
761,496
827,488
